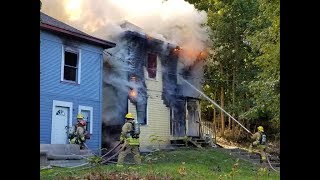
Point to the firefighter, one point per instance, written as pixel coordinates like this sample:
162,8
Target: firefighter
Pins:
131,139
79,134
259,143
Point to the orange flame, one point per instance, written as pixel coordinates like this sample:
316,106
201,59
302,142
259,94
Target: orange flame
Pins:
176,50
133,93
190,54
203,55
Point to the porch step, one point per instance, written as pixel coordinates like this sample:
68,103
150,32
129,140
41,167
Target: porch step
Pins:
194,141
59,153
44,158
199,140
179,145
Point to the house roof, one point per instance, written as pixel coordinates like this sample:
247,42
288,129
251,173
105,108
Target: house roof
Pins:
51,24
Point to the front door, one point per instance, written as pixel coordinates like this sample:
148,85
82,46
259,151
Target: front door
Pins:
178,118
59,125
192,118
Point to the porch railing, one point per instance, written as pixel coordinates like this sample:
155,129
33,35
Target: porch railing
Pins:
208,129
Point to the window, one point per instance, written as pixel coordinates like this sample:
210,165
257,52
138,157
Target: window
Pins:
87,113
70,65
61,113
152,66
142,113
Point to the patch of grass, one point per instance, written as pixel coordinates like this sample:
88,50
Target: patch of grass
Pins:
180,164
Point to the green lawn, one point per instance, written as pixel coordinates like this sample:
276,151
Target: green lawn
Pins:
199,164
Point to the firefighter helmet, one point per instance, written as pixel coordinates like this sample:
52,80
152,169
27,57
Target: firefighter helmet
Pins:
129,116
80,116
260,128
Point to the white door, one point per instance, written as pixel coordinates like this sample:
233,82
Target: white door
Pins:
59,125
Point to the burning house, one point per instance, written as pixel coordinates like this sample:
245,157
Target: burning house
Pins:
146,76
147,72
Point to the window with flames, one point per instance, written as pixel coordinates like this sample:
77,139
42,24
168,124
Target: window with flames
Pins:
152,66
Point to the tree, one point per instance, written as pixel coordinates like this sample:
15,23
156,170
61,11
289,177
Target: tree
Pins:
265,40
242,71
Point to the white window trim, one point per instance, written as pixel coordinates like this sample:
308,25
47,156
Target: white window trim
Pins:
88,108
62,104
79,63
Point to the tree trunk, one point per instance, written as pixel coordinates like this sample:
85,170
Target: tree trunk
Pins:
222,102
218,127
233,98
240,128
233,126
214,119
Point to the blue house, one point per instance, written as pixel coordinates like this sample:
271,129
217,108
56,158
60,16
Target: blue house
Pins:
71,64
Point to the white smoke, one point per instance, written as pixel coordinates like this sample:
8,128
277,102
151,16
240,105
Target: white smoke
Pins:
175,21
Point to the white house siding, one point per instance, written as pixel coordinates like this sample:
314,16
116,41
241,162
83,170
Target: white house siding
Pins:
158,115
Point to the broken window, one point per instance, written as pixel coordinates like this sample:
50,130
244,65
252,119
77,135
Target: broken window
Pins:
71,65
152,66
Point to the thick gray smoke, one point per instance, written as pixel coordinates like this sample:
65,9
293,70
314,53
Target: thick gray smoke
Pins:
174,21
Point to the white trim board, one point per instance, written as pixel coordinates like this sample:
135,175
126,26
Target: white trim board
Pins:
88,108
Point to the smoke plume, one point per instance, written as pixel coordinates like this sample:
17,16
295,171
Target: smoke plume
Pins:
174,21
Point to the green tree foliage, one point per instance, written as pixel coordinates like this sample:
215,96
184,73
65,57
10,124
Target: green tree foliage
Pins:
265,40
244,59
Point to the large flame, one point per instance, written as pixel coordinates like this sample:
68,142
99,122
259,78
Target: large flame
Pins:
73,9
190,54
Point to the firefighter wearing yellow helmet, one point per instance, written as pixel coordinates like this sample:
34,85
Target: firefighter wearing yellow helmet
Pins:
79,134
259,142
130,136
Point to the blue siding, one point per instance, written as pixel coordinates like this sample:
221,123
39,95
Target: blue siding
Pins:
87,93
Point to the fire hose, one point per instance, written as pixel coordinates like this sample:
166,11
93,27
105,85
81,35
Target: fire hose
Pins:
111,150
221,110
270,163
215,104
105,161
111,157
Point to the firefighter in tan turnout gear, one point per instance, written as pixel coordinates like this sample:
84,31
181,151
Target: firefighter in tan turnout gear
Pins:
78,134
130,137
260,143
